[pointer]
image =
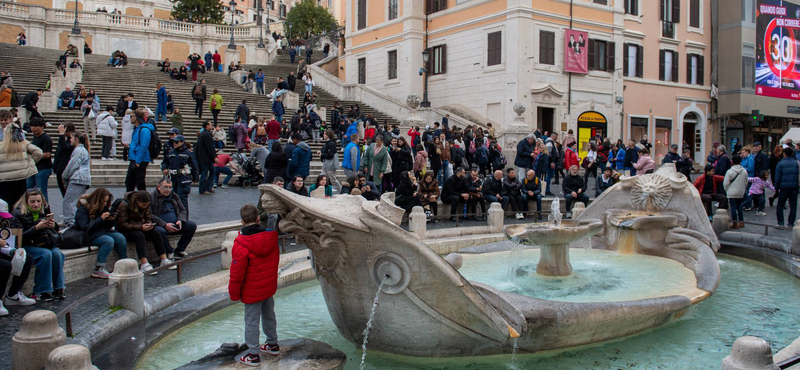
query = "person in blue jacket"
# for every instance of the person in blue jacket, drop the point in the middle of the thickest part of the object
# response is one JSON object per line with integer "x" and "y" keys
{"x": 278, "y": 110}
{"x": 139, "y": 153}
{"x": 301, "y": 158}
{"x": 352, "y": 128}
{"x": 207, "y": 59}
{"x": 786, "y": 182}
{"x": 161, "y": 107}
{"x": 260, "y": 82}
{"x": 292, "y": 54}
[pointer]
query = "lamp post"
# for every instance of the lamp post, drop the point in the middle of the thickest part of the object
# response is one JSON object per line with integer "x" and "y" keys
{"x": 426, "y": 55}
{"x": 260, "y": 26}
{"x": 75, "y": 29}
{"x": 232, "y": 45}
{"x": 268, "y": 3}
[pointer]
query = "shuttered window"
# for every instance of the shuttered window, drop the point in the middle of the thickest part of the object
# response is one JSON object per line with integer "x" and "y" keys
{"x": 670, "y": 11}
{"x": 633, "y": 60}
{"x": 438, "y": 63}
{"x": 495, "y": 48}
{"x": 632, "y": 7}
{"x": 362, "y": 14}
{"x": 392, "y": 9}
{"x": 392, "y": 64}
{"x": 601, "y": 55}
{"x": 695, "y": 69}
{"x": 694, "y": 13}
{"x": 433, "y": 6}
{"x": 362, "y": 71}
{"x": 668, "y": 65}
{"x": 547, "y": 47}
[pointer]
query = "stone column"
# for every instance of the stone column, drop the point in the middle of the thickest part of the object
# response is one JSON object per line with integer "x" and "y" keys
{"x": 749, "y": 353}
{"x": 261, "y": 56}
{"x": 70, "y": 357}
{"x": 231, "y": 55}
{"x": 129, "y": 294}
{"x": 227, "y": 257}
{"x": 77, "y": 40}
{"x": 37, "y": 336}
{"x": 554, "y": 260}
{"x": 417, "y": 223}
{"x": 721, "y": 221}
{"x": 496, "y": 217}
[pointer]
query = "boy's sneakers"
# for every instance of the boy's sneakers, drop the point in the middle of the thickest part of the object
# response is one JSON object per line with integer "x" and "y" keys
{"x": 42, "y": 297}
{"x": 167, "y": 262}
{"x": 100, "y": 273}
{"x": 249, "y": 360}
{"x": 3, "y": 310}
{"x": 147, "y": 267}
{"x": 271, "y": 349}
{"x": 18, "y": 299}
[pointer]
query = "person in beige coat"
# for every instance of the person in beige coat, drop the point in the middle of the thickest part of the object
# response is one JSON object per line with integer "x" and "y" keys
{"x": 18, "y": 159}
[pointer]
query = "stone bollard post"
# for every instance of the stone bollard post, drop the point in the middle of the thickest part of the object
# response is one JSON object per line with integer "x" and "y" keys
{"x": 129, "y": 294}
{"x": 37, "y": 336}
{"x": 577, "y": 209}
{"x": 70, "y": 357}
{"x": 749, "y": 353}
{"x": 227, "y": 257}
{"x": 496, "y": 217}
{"x": 796, "y": 238}
{"x": 455, "y": 260}
{"x": 721, "y": 221}
{"x": 78, "y": 41}
{"x": 417, "y": 223}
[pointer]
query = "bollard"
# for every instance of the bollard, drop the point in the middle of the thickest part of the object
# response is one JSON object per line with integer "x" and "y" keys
{"x": 496, "y": 217}
{"x": 721, "y": 221}
{"x": 130, "y": 292}
{"x": 70, "y": 357}
{"x": 227, "y": 257}
{"x": 455, "y": 260}
{"x": 417, "y": 223}
{"x": 577, "y": 209}
{"x": 796, "y": 238}
{"x": 749, "y": 353}
{"x": 37, "y": 336}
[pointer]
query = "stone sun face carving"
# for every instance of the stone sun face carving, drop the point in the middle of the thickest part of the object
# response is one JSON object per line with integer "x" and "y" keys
{"x": 322, "y": 238}
{"x": 651, "y": 192}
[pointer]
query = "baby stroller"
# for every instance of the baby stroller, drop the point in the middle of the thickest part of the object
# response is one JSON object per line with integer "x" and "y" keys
{"x": 252, "y": 171}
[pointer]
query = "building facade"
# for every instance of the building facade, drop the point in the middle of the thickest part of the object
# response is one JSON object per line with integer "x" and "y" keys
{"x": 487, "y": 55}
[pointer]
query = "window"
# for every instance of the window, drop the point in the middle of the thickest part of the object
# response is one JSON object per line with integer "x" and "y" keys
{"x": 748, "y": 10}
{"x": 632, "y": 7}
{"x": 362, "y": 71}
{"x": 362, "y": 14}
{"x": 392, "y": 9}
{"x": 271, "y": 5}
{"x": 330, "y": 4}
{"x": 694, "y": 69}
{"x": 495, "y": 50}
{"x": 601, "y": 2}
{"x": 547, "y": 47}
{"x": 668, "y": 65}
{"x": 438, "y": 63}
{"x": 748, "y": 72}
{"x": 319, "y": 2}
{"x": 632, "y": 60}
{"x": 694, "y": 13}
{"x": 283, "y": 10}
{"x": 392, "y": 56}
{"x": 601, "y": 55}
{"x": 670, "y": 10}
{"x": 433, "y": 6}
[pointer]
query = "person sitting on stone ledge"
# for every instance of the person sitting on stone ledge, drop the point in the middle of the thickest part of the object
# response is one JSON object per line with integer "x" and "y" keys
{"x": 39, "y": 233}
{"x": 297, "y": 186}
{"x": 95, "y": 217}
{"x": 66, "y": 99}
{"x": 493, "y": 189}
{"x": 171, "y": 218}
{"x": 135, "y": 222}
{"x": 574, "y": 188}
{"x": 706, "y": 185}
{"x": 367, "y": 189}
{"x": 455, "y": 192}
{"x": 407, "y": 194}
{"x": 14, "y": 297}
{"x": 511, "y": 189}
{"x": 532, "y": 190}
{"x": 607, "y": 180}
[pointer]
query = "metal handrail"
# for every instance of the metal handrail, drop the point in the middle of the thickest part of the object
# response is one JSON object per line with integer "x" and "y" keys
{"x": 766, "y": 226}
{"x": 185, "y": 260}
{"x": 67, "y": 311}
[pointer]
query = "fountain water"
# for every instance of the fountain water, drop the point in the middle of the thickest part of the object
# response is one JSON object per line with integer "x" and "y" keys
{"x": 555, "y": 212}
{"x": 514, "y": 258}
{"x": 369, "y": 322}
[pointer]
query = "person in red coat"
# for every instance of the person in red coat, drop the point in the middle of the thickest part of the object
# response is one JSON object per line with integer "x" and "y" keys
{"x": 254, "y": 280}
{"x": 571, "y": 157}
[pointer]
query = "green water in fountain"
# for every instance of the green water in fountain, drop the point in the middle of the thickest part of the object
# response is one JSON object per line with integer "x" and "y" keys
{"x": 753, "y": 299}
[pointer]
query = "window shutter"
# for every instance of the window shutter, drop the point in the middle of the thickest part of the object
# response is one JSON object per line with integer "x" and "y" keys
{"x": 362, "y": 14}
{"x": 429, "y": 6}
{"x": 611, "y": 56}
{"x": 661, "y": 64}
{"x": 625, "y": 59}
{"x": 661, "y": 9}
{"x": 676, "y": 11}
{"x": 494, "y": 49}
{"x": 635, "y": 7}
{"x": 688, "y": 68}
{"x": 694, "y": 13}
{"x": 639, "y": 61}
{"x": 444, "y": 59}
{"x": 675, "y": 64}
{"x": 442, "y": 4}
{"x": 591, "y": 54}
{"x": 700, "y": 70}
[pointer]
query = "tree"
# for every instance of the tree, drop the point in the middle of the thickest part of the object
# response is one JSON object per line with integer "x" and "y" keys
{"x": 308, "y": 19}
{"x": 197, "y": 11}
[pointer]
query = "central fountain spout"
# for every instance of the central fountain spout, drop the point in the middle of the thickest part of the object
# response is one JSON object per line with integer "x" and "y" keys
{"x": 553, "y": 241}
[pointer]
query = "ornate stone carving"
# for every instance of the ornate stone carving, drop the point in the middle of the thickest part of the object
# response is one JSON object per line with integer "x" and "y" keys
{"x": 321, "y": 237}
{"x": 413, "y": 101}
{"x": 519, "y": 108}
{"x": 651, "y": 192}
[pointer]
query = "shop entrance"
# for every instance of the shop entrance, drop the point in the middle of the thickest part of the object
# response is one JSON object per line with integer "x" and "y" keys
{"x": 545, "y": 117}
{"x": 690, "y": 134}
{"x": 590, "y": 124}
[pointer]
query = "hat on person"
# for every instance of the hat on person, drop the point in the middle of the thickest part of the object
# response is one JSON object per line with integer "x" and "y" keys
{"x": 174, "y": 131}
{"x": 4, "y": 210}
{"x": 757, "y": 143}
{"x": 716, "y": 143}
{"x": 179, "y": 138}
{"x": 674, "y": 146}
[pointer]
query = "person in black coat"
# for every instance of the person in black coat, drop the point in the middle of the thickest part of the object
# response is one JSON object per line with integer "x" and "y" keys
{"x": 685, "y": 164}
{"x": 532, "y": 190}
{"x": 63, "y": 154}
{"x": 402, "y": 160}
{"x": 95, "y": 217}
{"x": 30, "y": 103}
{"x": 242, "y": 111}
{"x": 455, "y": 192}
{"x": 291, "y": 80}
{"x": 672, "y": 156}
{"x": 406, "y": 195}
{"x": 512, "y": 190}
{"x": 206, "y": 156}
{"x": 574, "y": 188}
{"x": 275, "y": 165}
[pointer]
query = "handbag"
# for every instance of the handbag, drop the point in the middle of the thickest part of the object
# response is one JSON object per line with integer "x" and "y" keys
{"x": 73, "y": 238}
{"x": 585, "y": 163}
{"x": 92, "y": 114}
{"x": 48, "y": 238}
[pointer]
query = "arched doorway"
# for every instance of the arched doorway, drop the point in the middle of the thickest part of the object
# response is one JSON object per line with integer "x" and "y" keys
{"x": 690, "y": 133}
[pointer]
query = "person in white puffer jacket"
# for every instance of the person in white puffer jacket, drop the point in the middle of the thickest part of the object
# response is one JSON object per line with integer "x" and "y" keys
{"x": 735, "y": 184}
{"x": 127, "y": 132}
{"x": 107, "y": 129}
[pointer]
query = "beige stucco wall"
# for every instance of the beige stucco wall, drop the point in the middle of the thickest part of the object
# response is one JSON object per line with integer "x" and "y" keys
{"x": 162, "y": 14}
{"x": 133, "y": 11}
{"x": 176, "y": 51}
{"x": 71, "y": 5}
{"x": 63, "y": 38}
{"x": 8, "y": 33}
{"x": 44, "y": 3}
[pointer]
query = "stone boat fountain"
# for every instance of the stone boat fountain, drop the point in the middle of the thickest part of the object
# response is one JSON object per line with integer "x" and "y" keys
{"x": 427, "y": 308}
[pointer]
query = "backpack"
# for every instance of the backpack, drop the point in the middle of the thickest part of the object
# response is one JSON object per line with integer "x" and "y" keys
{"x": 15, "y": 100}
{"x": 155, "y": 145}
{"x": 472, "y": 146}
{"x": 198, "y": 90}
{"x": 262, "y": 131}
{"x": 502, "y": 159}
{"x": 483, "y": 156}
{"x": 115, "y": 205}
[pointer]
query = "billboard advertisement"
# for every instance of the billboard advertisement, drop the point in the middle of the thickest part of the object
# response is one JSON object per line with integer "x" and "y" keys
{"x": 576, "y": 57}
{"x": 777, "y": 33}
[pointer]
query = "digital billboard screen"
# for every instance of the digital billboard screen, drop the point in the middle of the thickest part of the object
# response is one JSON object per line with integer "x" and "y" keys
{"x": 777, "y": 63}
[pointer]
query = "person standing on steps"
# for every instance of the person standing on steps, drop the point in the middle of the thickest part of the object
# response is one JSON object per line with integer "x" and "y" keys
{"x": 208, "y": 60}
{"x": 273, "y": 130}
{"x": 259, "y": 82}
{"x": 277, "y": 109}
{"x": 309, "y": 83}
{"x": 292, "y": 55}
{"x": 45, "y": 166}
{"x": 215, "y": 106}
{"x": 199, "y": 96}
{"x": 139, "y": 153}
{"x": 242, "y": 111}
{"x": 309, "y": 52}
{"x": 217, "y": 60}
{"x": 63, "y": 153}
{"x": 194, "y": 65}
{"x": 90, "y": 109}
{"x": 161, "y": 104}
{"x": 77, "y": 175}
{"x": 330, "y": 159}
{"x": 206, "y": 157}
{"x": 291, "y": 80}
{"x": 107, "y": 128}
{"x": 30, "y": 102}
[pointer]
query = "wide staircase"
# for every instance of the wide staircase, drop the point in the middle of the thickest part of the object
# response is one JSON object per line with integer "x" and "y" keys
{"x": 30, "y": 68}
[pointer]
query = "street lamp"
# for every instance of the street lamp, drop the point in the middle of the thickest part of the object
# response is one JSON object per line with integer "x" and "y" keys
{"x": 260, "y": 26}
{"x": 268, "y": 3}
{"x": 426, "y": 55}
{"x": 75, "y": 29}
{"x": 232, "y": 45}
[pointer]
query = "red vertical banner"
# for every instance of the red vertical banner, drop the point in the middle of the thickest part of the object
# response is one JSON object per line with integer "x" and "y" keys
{"x": 576, "y": 56}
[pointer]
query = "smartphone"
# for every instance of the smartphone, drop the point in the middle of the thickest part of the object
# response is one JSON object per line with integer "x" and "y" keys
{"x": 50, "y": 217}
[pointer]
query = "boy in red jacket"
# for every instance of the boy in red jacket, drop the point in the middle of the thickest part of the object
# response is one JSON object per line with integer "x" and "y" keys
{"x": 254, "y": 280}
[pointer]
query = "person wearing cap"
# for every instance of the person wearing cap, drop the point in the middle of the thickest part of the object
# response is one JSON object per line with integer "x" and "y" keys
{"x": 672, "y": 156}
{"x": 525, "y": 154}
{"x": 168, "y": 145}
{"x": 180, "y": 165}
{"x": 14, "y": 297}
{"x": 107, "y": 129}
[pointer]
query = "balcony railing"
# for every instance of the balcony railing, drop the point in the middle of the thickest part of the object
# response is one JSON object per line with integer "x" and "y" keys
{"x": 668, "y": 29}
